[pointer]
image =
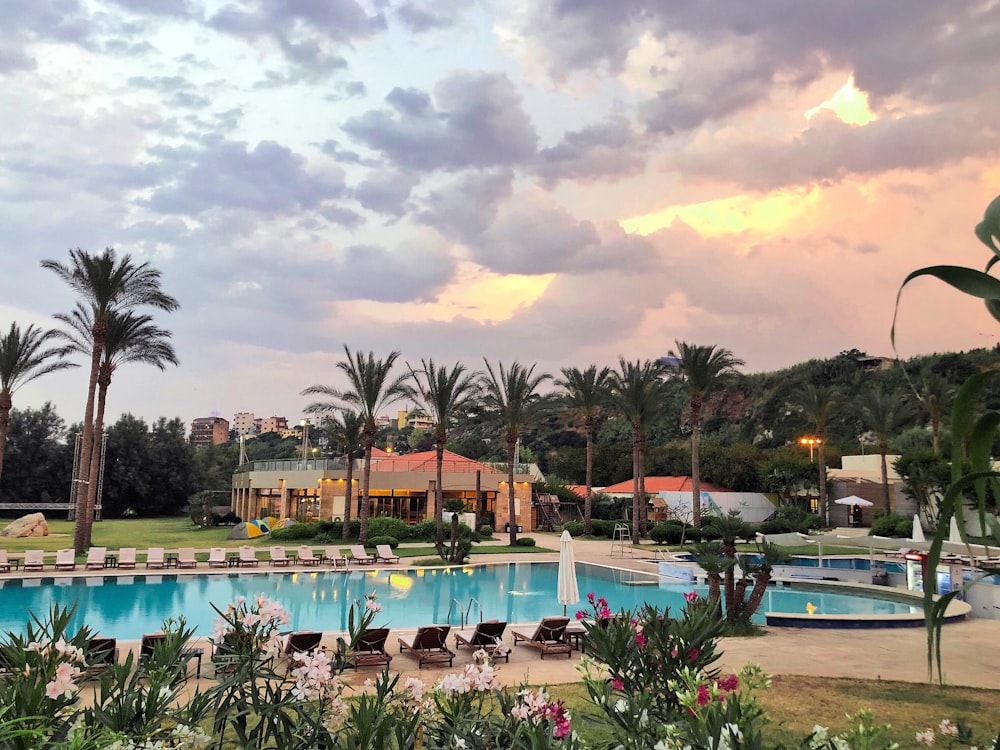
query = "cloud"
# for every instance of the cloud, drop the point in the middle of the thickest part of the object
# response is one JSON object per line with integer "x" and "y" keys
{"x": 410, "y": 273}
{"x": 464, "y": 208}
{"x": 429, "y": 15}
{"x": 476, "y": 120}
{"x": 609, "y": 149}
{"x": 385, "y": 191}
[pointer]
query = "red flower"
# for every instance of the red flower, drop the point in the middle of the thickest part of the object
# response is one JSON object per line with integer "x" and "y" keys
{"x": 703, "y": 696}
{"x": 690, "y": 596}
{"x": 618, "y": 684}
{"x": 640, "y": 640}
{"x": 580, "y": 614}
{"x": 590, "y": 597}
{"x": 693, "y": 654}
{"x": 729, "y": 682}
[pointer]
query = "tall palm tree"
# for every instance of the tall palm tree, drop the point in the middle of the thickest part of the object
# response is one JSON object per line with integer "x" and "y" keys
{"x": 637, "y": 390}
{"x": 885, "y": 414}
{"x": 816, "y": 404}
{"x": 935, "y": 397}
{"x": 703, "y": 369}
{"x": 587, "y": 391}
{"x": 512, "y": 394}
{"x": 370, "y": 390}
{"x": 444, "y": 393}
{"x": 24, "y": 356}
{"x": 347, "y": 427}
{"x": 106, "y": 283}
{"x": 131, "y": 338}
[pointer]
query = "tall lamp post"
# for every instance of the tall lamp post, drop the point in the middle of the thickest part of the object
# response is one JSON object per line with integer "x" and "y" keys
{"x": 812, "y": 442}
{"x": 305, "y": 442}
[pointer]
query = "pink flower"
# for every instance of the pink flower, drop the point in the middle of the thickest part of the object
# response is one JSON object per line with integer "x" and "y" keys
{"x": 704, "y": 697}
{"x": 590, "y": 597}
{"x": 673, "y": 653}
{"x": 692, "y": 654}
{"x": 618, "y": 684}
{"x": 580, "y": 614}
{"x": 602, "y": 603}
{"x": 729, "y": 682}
{"x": 604, "y": 613}
{"x": 691, "y": 596}
{"x": 640, "y": 640}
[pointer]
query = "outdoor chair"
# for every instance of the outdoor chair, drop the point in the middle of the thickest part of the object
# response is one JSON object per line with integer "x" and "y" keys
{"x": 278, "y": 557}
{"x": 34, "y": 559}
{"x": 186, "y": 558}
{"x": 126, "y": 557}
{"x": 101, "y": 654}
{"x": 217, "y": 557}
{"x": 306, "y": 557}
{"x": 66, "y": 559}
{"x": 334, "y": 557}
{"x": 428, "y": 645}
{"x": 549, "y": 637}
{"x": 4, "y": 562}
{"x": 301, "y": 642}
{"x": 154, "y": 558}
{"x": 384, "y": 552}
{"x": 152, "y": 641}
{"x": 369, "y": 649}
{"x": 359, "y": 556}
{"x": 248, "y": 558}
{"x": 487, "y": 635}
{"x": 95, "y": 557}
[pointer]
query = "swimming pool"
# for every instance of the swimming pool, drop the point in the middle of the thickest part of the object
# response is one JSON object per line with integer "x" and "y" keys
{"x": 836, "y": 563}
{"x": 128, "y": 606}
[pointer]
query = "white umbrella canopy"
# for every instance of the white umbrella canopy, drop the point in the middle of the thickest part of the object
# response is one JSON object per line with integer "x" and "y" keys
{"x": 569, "y": 591}
{"x": 954, "y": 535}
{"x": 854, "y": 500}
{"x": 917, "y": 534}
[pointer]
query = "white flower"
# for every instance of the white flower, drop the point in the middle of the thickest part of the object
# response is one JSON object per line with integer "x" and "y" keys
{"x": 621, "y": 706}
{"x": 819, "y": 733}
{"x": 926, "y": 737}
{"x": 947, "y": 728}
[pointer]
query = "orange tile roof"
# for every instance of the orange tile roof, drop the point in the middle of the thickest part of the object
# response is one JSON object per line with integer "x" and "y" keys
{"x": 580, "y": 490}
{"x": 662, "y": 484}
{"x": 426, "y": 461}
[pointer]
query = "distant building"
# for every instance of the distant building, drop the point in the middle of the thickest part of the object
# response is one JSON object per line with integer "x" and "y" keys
{"x": 244, "y": 423}
{"x": 272, "y": 424}
{"x": 415, "y": 419}
{"x": 875, "y": 364}
{"x": 207, "y": 431}
{"x": 382, "y": 421}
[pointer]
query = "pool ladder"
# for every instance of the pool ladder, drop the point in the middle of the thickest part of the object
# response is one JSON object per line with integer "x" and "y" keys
{"x": 465, "y": 617}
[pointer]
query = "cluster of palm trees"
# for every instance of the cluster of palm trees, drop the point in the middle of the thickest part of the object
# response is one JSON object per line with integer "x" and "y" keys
{"x": 105, "y": 326}
{"x": 510, "y": 396}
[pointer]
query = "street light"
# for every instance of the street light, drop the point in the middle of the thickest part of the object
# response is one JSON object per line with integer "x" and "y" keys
{"x": 811, "y": 442}
{"x": 305, "y": 441}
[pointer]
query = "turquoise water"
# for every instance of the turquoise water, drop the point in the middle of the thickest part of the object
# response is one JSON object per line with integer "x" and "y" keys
{"x": 839, "y": 563}
{"x": 126, "y": 607}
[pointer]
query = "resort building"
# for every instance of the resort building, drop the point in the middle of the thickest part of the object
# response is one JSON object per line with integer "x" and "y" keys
{"x": 271, "y": 424}
{"x": 207, "y": 431}
{"x": 243, "y": 423}
{"x": 401, "y": 487}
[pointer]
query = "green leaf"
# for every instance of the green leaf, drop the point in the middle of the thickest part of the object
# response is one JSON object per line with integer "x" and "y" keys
{"x": 968, "y": 280}
{"x": 988, "y": 230}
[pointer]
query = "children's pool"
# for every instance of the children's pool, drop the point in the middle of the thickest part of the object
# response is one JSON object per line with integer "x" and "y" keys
{"x": 126, "y": 607}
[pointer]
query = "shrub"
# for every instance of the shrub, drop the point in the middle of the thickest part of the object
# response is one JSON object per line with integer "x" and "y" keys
{"x": 666, "y": 534}
{"x": 425, "y": 531}
{"x": 331, "y": 532}
{"x": 693, "y": 535}
{"x": 525, "y": 541}
{"x": 709, "y": 533}
{"x": 772, "y": 527}
{"x": 294, "y": 532}
{"x": 486, "y": 531}
{"x": 892, "y": 524}
{"x": 575, "y": 528}
{"x": 603, "y": 528}
{"x": 385, "y": 539}
{"x": 395, "y": 527}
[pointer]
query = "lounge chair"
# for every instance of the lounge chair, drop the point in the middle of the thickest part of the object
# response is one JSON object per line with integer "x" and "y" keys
{"x": 66, "y": 559}
{"x": 149, "y": 644}
{"x": 95, "y": 557}
{"x": 186, "y": 558}
{"x": 334, "y": 557}
{"x": 487, "y": 635}
{"x": 101, "y": 654}
{"x": 428, "y": 645}
{"x": 126, "y": 557}
{"x": 217, "y": 557}
{"x": 305, "y": 556}
{"x": 301, "y": 642}
{"x": 384, "y": 552}
{"x": 549, "y": 637}
{"x": 248, "y": 558}
{"x": 278, "y": 556}
{"x": 369, "y": 649}
{"x": 34, "y": 559}
{"x": 4, "y": 562}
{"x": 359, "y": 556}
{"x": 154, "y": 558}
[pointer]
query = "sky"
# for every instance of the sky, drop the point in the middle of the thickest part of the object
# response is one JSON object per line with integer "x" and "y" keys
{"x": 559, "y": 182}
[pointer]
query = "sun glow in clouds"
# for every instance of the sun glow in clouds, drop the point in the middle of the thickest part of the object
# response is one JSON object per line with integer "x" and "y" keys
{"x": 849, "y": 104}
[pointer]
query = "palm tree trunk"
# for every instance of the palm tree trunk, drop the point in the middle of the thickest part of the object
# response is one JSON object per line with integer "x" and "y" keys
{"x": 729, "y": 552}
{"x": 735, "y": 614}
{"x": 883, "y": 449}
{"x": 757, "y": 595}
{"x": 714, "y": 593}
{"x": 366, "y": 482}
{"x": 103, "y": 383}
{"x": 635, "y": 484}
{"x": 511, "y": 508}
{"x": 824, "y": 501}
{"x": 695, "y": 463}
{"x": 83, "y": 529}
{"x": 588, "y": 502}
{"x": 439, "y": 493}
{"x": 936, "y": 434}
{"x": 5, "y": 406}
{"x": 348, "y": 497}
{"x": 643, "y": 510}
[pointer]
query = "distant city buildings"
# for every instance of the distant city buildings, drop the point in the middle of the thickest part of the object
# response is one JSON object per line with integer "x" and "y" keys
{"x": 244, "y": 423}
{"x": 271, "y": 424}
{"x": 415, "y": 419}
{"x": 207, "y": 431}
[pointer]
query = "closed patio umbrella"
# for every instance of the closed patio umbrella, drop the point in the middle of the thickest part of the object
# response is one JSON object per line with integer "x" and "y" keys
{"x": 569, "y": 592}
{"x": 917, "y": 534}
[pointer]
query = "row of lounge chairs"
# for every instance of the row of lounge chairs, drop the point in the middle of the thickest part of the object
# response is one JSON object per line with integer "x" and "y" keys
{"x": 157, "y": 557}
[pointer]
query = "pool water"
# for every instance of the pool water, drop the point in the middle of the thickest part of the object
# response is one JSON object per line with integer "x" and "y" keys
{"x": 126, "y": 607}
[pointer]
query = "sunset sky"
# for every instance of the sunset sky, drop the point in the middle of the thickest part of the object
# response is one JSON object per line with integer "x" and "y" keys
{"x": 547, "y": 181}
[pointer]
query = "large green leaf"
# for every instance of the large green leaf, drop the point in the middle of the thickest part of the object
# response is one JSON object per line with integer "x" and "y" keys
{"x": 988, "y": 230}
{"x": 968, "y": 280}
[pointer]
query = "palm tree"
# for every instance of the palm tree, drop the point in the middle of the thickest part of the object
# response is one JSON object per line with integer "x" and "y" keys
{"x": 130, "y": 338}
{"x": 703, "y": 369}
{"x": 637, "y": 389}
{"x": 884, "y": 414}
{"x": 347, "y": 427}
{"x": 709, "y": 557}
{"x": 106, "y": 284}
{"x": 444, "y": 393}
{"x": 935, "y": 397}
{"x": 370, "y": 390}
{"x": 816, "y": 404}
{"x": 511, "y": 394}
{"x": 771, "y": 555}
{"x": 587, "y": 392}
{"x": 24, "y": 356}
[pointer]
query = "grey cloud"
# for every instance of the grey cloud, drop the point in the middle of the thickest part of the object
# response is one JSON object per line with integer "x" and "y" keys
{"x": 609, "y": 149}
{"x": 409, "y": 102}
{"x": 26, "y": 22}
{"x": 404, "y": 275}
{"x": 343, "y": 216}
{"x": 333, "y": 149}
{"x": 346, "y": 90}
{"x": 464, "y": 209}
{"x": 386, "y": 191}
{"x": 478, "y": 121}
{"x": 269, "y": 178}
{"x": 423, "y": 16}
{"x": 867, "y": 248}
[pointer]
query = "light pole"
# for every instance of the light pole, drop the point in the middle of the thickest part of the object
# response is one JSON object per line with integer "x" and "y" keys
{"x": 812, "y": 442}
{"x": 305, "y": 442}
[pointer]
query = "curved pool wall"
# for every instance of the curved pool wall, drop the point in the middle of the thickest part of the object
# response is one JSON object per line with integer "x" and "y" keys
{"x": 126, "y": 607}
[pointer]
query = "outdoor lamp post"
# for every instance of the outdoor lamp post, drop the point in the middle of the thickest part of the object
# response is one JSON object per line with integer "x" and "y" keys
{"x": 811, "y": 442}
{"x": 305, "y": 442}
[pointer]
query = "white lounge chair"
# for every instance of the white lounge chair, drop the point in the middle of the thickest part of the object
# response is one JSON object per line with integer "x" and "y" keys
{"x": 278, "y": 557}
{"x": 66, "y": 559}
{"x": 248, "y": 558}
{"x": 34, "y": 559}
{"x": 126, "y": 557}
{"x": 186, "y": 558}
{"x": 305, "y": 556}
{"x": 95, "y": 557}
{"x": 385, "y": 555}
{"x": 155, "y": 558}
{"x": 360, "y": 556}
{"x": 4, "y": 562}
{"x": 217, "y": 557}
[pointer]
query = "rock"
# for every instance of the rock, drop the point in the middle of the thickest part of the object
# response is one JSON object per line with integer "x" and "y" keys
{"x": 33, "y": 524}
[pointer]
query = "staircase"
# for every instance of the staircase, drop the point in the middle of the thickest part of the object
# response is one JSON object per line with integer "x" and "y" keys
{"x": 548, "y": 512}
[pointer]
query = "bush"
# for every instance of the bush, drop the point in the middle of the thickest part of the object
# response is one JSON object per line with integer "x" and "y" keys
{"x": 666, "y": 534}
{"x": 395, "y": 527}
{"x": 425, "y": 531}
{"x": 294, "y": 532}
{"x": 693, "y": 535}
{"x": 709, "y": 534}
{"x": 892, "y": 524}
{"x": 772, "y": 527}
{"x": 603, "y": 528}
{"x": 524, "y": 541}
{"x": 376, "y": 540}
{"x": 486, "y": 531}
{"x": 331, "y": 532}
{"x": 575, "y": 528}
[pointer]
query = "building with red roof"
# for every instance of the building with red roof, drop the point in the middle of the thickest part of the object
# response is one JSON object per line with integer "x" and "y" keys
{"x": 654, "y": 485}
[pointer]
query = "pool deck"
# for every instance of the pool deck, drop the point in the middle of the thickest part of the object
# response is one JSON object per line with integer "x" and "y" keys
{"x": 970, "y": 655}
